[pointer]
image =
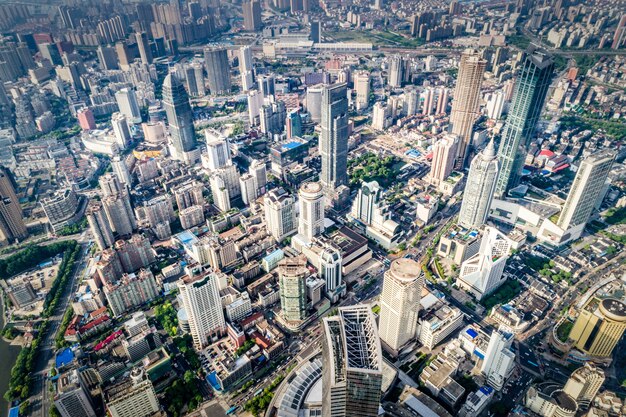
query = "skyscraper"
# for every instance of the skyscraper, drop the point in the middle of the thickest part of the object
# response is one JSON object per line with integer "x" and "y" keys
{"x": 249, "y": 189}
{"x": 218, "y": 70}
{"x": 499, "y": 359}
{"x": 12, "y": 225}
{"x": 620, "y": 33}
{"x": 200, "y": 294}
{"x": 145, "y": 53}
{"x": 362, "y": 87}
{"x": 400, "y": 301}
{"x": 352, "y": 364}
{"x": 531, "y": 88}
{"x": 127, "y": 103}
{"x": 99, "y": 225}
{"x": 586, "y": 188}
{"x": 117, "y": 207}
{"x": 479, "y": 189}
{"x": 330, "y": 271}
{"x": 482, "y": 273}
{"x": 121, "y": 130}
{"x": 334, "y": 137}
{"x": 252, "y": 16}
{"x": 280, "y": 213}
{"x": 246, "y": 67}
{"x": 396, "y": 68}
{"x": 311, "y": 202}
{"x": 466, "y": 103}
{"x": 179, "y": 117}
{"x": 217, "y": 151}
{"x": 292, "y": 275}
{"x": 316, "y": 32}
{"x": 444, "y": 155}
{"x": 294, "y": 124}
{"x": 194, "y": 75}
{"x": 599, "y": 326}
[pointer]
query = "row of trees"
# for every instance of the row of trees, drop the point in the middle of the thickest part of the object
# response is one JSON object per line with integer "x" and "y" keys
{"x": 19, "y": 383}
{"x": 260, "y": 403}
{"x": 63, "y": 277}
{"x": 31, "y": 256}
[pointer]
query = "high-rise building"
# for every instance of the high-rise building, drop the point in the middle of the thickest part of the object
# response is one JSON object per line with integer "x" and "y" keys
{"x": 444, "y": 156}
{"x": 259, "y": 171}
{"x": 127, "y": 103}
{"x": 619, "y": 38}
{"x": 133, "y": 396}
{"x": 121, "y": 131}
{"x": 249, "y": 189}
{"x": 252, "y": 16}
{"x": 333, "y": 143}
{"x": 189, "y": 194}
{"x": 219, "y": 191}
{"x": 586, "y": 188}
{"x": 119, "y": 213}
{"x": 352, "y": 363}
{"x": 499, "y": 359}
{"x": 179, "y": 118}
{"x": 330, "y": 271}
{"x": 86, "y": 119}
{"x": 12, "y": 225}
{"x": 531, "y": 88}
{"x": 293, "y": 124}
{"x": 107, "y": 58}
{"x": 400, "y": 301}
{"x": 217, "y": 151}
{"x": 99, "y": 225}
{"x": 110, "y": 184}
{"x": 599, "y": 326}
{"x": 246, "y": 68}
{"x": 72, "y": 399}
{"x": 396, "y": 68}
{"x": 466, "y": 103}
{"x": 292, "y": 275}
{"x": 145, "y": 53}
{"x": 314, "y": 102}
{"x": 201, "y": 299}
{"x": 311, "y": 203}
{"x": 362, "y": 87}
{"x": 130, "y": 291}
{"x": 368, "y": 197}
{"x": 280, "y": 213}
{"x": 480, "y": 188}
{"x": 483, "y": 273}
{"x": 218, "y": 70}
{"x": 267, "y": 85}
{"x": 120, "y": 169}
{"x": 194, "y": 75}
{"x": 584, "y": 383}
{"x": 316, "y": 32}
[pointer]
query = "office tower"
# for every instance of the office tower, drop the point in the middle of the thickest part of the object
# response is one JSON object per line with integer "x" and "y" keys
{"x": 107, "y": 58}
{"x": 531, "y": 88}
{"x": 396, "y": 68}
{"x": 294, "y": 124}
{"x": 333, "y": 144}
{"x": 280, "y": 214}
{"x": 620, "y": 33}
{"x": 352, "y": 363}
{"x": 127, "y": 103}
{"x": 330, "y": 271}
{"x": 246, "y": 68}
{"x": 466, "y": 103}
{"x": 400, "y": 301}
{"x": 259, "y": 171}
{"x": 499, "y": 359}
{"x": 362, "y": 87}
{"x": 495, "y": 105}
{"x": 314, "y": 102}
{"x": 584, "y": 383}
{"x": 218, "y": 151}
{"x": 255, "y": 102}
{"x": 119, "y": 122}
{"x": 267, "y": 85}
{"x": 133, "y": 396}
{"x": 219, "y": 191}
{"x": 145, "y": 53}
{"x": 444, "y": 155}
{"x": 482, "y": 273}
{"x": 599, "y": 326}
{"x": 366, "y": 201}
{"x": 72, "y": 399}
{"x": 249, "y": 189}
{"x": 194, "y": 75}
{"x": 218, "y": 70}
{"x": 292, "y": 275}
{"x": 480, "y": 188}
{"x": 99, "y": 225}
{"x": 316, "y": 32}
{"x": 587, "y": 186}
{"x": 189, "y": 194}
{"x": 202, "y": 303}
{"x": 12, "y": 225}
{"x": 123, "y": 55}
{"x": 311, "y": 203}
{"x": 252, "y": 16}
{"x": 179, "y": 117}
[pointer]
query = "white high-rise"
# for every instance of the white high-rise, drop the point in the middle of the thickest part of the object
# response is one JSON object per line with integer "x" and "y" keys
{"x": 119, "y": 121}
{"x": 444, "y": 155}
{"x": 499, "y": 359}
{"x": 221, "y": 196}
{"x": 362, "y": 87}
{"x": 482, "y": 273}
{"x": 586, "y": 188}
{"x": 248, "y": 188}
{"x": 400, "y": 301}
{"x": 259, "y": 172}
{"x": 246, "y": 68}
{"x": 280, "y": 214}
{"x": 330, "y": 271}
{"x": 480, "y": 188}
{"x": 201, "y": 299}
{"x": 495, "y": 105}
{"x": 584, "y": 383}
{"x": 311, "y": 203}
{"x": 217, "y": 151}
{"x": 127, "y": 103}
{"x": 118, "y": 163}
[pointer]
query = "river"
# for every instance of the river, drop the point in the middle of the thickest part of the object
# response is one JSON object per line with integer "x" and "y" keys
{"x": 8, "y": 355}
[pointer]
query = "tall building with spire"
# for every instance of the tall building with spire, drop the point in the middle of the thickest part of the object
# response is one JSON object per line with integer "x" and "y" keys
{"x": 179, "y": 116}
{"x": 466, "y": 103}
{"x": 479, "y": 189}
{"x": 530, "y": 92}
{"x": 334, "y": 138}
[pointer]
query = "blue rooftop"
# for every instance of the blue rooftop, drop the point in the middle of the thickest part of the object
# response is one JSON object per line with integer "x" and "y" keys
{"x": 291, "y": 145}
{"x": 472, "y": 333}
{"x": 486, "y": 390}
{"x": 212, "y": 380}
{"x": 64, "y": 357}
{"x": 14, "y": 412}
